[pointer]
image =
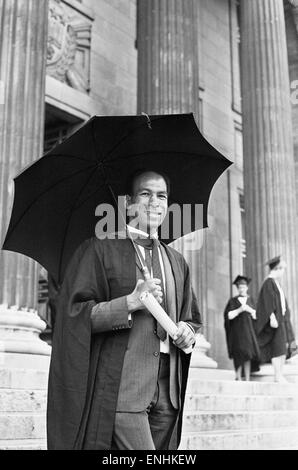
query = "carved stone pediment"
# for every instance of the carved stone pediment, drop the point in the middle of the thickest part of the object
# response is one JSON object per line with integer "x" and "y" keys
{"x": 68, "y": 51}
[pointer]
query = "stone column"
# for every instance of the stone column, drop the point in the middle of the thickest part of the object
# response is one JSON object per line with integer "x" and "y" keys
{"x": 168, "y": 83}
{"x": 167, "y": 56}
{"x": 269, "y": 185}
{"x": 23, "y": 39}
{"x": 291, "y": 19}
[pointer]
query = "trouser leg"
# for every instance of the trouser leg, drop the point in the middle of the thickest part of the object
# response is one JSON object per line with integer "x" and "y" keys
{"x": 132, "y": 432}
{"x": 163, "y": 415}
{"x": 152, "y": 428}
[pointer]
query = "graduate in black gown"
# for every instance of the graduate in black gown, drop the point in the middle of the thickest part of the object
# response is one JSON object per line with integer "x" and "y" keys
{"x": 239, "y": 318}
{"x": 274, "y": 330}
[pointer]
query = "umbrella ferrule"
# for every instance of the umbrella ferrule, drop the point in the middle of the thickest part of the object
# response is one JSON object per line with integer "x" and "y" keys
{"x": 148, "y": 120}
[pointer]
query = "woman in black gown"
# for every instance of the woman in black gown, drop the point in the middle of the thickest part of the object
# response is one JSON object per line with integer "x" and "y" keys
{"x": 239, "y": 318}
{"x": 275, "y": 332}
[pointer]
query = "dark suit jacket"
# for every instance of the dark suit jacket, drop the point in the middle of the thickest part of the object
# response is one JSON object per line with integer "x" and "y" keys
{"x": 86, "y": 368}
{"x": 141, "y": 362}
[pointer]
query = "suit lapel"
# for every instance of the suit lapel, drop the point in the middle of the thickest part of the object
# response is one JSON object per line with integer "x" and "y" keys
{"x": 130, "y": 248}
{"x": 178, "y": 277}
{"x": 137, "y": 258}
{"x": 130, "y": 259}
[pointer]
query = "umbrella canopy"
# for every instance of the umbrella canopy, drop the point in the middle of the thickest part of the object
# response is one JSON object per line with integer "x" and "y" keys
{"x": 56, "y": 197}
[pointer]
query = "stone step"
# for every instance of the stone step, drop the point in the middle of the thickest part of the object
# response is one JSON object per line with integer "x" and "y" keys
{"x": 265, "y": 439}
{"x": 22, "y": 425}
{"x": 197, "y": 421}
{"x": 12, "y": 400}
{"x": 289, "y": 448}
{"x": 32, "y": 379}
{"x": 227, "y": 387}
{"x": 23, "y": 444}
{"x": 240, "y": 402}
{"x": 290, "y": 371}
{"x": 211, "y": 374}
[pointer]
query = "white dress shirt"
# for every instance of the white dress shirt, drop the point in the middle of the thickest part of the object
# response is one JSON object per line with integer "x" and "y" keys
{"x": 164, "y": 345}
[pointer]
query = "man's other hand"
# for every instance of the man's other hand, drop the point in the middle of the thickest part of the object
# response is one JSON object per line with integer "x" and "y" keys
{"x": 184, "y": 337}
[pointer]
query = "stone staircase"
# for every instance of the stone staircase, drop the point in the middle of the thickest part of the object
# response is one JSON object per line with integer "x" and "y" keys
{"x": 22, "y": 409}
{"x": 230, "y": 415}
{"x": 219, "y": 412}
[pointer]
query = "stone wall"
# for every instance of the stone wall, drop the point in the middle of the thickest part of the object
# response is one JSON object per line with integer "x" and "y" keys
{"x": 113, "y": 78}
{"x": 221, "y": 125}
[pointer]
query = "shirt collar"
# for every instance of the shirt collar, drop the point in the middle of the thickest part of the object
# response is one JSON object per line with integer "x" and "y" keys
{"x": 141, "y": 232}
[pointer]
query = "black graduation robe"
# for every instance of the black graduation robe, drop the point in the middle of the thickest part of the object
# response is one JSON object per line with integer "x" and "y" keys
{"x": 240, "y": 335}
{"x": 84, "y": 365}
{"x": 279, "y": 341}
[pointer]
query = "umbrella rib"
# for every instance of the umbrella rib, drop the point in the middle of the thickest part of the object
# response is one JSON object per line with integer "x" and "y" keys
{"x": 69, "y": 218}
{"x": 132, "y": 132}
{"x": 42, "y": 194}
{"x": 116, "y": 159}
{"x": 97, "y": 189}
{"x": 90, "y": 195}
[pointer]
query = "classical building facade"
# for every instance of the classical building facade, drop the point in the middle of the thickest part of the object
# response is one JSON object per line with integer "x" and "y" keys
{"x": 62, "y": 61}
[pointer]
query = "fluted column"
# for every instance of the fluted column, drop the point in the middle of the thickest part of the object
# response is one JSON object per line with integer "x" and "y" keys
{"x": 167, "y": 56}
{"x": 23, "y": 39}
{"x": 168, "y": 82}
{"x": 269, "y": 186}
{"x": 168, "y": 68}
{"x": 291, "y": 19}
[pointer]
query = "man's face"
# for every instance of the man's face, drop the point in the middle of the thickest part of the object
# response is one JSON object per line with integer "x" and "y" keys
{"x": 149, "y": 203}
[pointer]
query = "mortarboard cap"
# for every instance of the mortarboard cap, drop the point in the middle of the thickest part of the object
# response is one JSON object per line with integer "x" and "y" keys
{"x": 274, "y": 262}
{"x": 242, "y": 280}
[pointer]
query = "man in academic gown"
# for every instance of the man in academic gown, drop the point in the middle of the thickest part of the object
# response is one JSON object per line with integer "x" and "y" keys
{"x": 116, "y": 379}
{"x": 274, "y": 330}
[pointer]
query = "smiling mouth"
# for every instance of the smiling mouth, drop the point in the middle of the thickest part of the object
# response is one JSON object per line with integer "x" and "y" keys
{"x": 153, "y": 213}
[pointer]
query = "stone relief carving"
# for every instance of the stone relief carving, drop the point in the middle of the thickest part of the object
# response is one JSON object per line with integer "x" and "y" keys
{"x": 68, "y": 50}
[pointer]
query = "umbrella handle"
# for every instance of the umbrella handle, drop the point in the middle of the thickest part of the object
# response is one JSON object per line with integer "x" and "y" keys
{"x": 146, "y": 273}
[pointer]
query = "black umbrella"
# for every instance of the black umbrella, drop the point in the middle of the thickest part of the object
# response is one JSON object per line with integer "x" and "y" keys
{"x": 56, "y": 197}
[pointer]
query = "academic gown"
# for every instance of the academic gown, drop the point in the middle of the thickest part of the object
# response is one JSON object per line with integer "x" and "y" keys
{"x": 85, "y": 368}
{"x": 240, "y": 335}
{"x": 279, "y": 341}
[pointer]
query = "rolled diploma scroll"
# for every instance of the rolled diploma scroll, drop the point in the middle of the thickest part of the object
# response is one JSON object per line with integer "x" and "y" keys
{"x": 161, "y": 316}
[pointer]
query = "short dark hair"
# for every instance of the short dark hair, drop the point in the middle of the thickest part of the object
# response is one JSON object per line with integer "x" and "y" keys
{"x": 133, "y": 176}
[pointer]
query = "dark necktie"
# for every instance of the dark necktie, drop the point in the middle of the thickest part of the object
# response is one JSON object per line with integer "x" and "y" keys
{"x": 154, "y": 263}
